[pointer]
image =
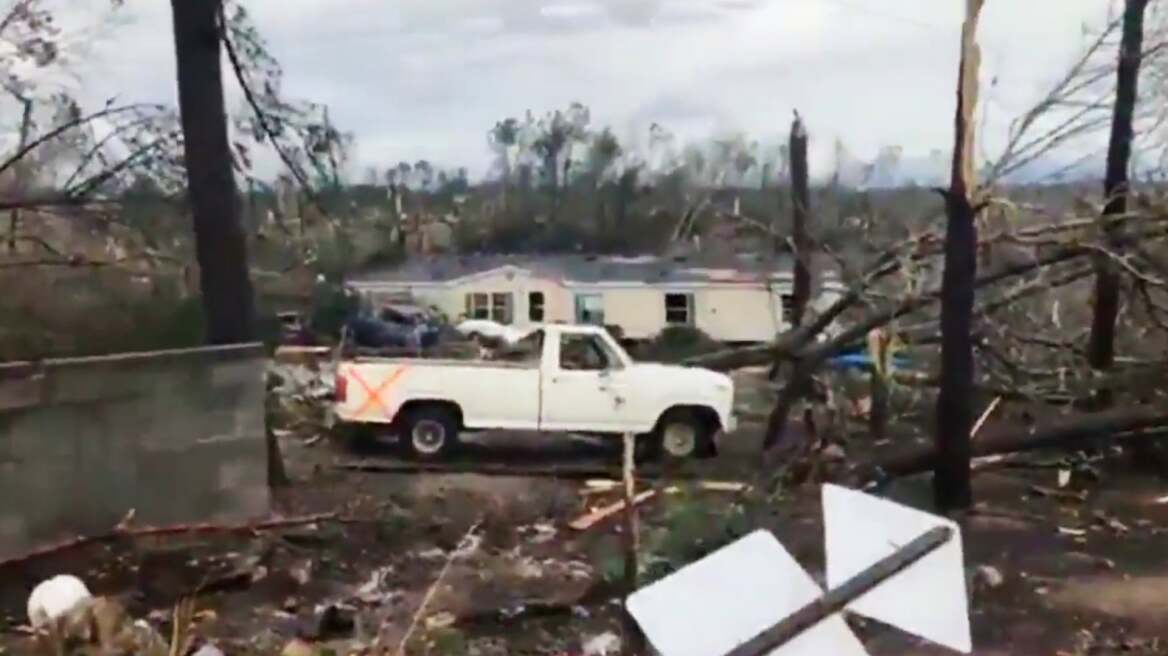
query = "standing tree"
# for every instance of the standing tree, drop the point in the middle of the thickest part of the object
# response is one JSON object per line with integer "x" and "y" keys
{"x": 801, "y": 294}
{"x": 951, "y": 475}
{"x": 1101, "y": 349}
{"x": 502, "y": 138}
{"x": 220, "y": 244}
{"x": 425, "y": 173}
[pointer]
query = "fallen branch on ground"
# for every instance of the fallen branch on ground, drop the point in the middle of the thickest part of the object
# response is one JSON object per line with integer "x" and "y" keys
{"x": 1075, "y": 429}
{"x": 608, "y": 485}
{"x": 503, "y": 469}
{"x": 985, "y": 415}
{"x": 122, "y": 533}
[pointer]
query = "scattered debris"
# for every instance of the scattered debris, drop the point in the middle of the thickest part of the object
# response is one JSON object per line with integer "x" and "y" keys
{"x": 372, "y": 591}
{"x": 605, "y": 644}
{"x": 332, "y": 621}
{"x": 54, "y": 598}
{"x": 298, "y": 647}
{"x": 989, "y": 576}
{"x": 1065, "y": 495}
{"x": 208, "y": 649}
{"x": 985, "y": 415}
{"x": 440, "y": 621}
{"x": 466, "y": 545}
{"x": 538, "y": 533}
{"x": 589, "y": 520}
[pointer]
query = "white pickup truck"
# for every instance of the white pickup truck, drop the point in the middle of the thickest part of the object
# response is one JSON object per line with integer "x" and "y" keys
{"x": 559, "y": 378}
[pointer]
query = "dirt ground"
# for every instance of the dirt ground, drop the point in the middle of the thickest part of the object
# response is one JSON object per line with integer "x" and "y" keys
{"x": 1080, "y": 565}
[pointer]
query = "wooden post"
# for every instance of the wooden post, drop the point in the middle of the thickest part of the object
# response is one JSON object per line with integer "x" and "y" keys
{"x": 838, "y": 598}
{"x": 633, "y": 642}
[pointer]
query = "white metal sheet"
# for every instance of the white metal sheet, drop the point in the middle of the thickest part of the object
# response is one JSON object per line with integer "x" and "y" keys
{"x": 721, "y": 601}
{"x": 928, "y": 599}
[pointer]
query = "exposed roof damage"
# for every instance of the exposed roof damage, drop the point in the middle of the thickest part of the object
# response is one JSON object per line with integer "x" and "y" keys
{"x": 647, "y": 269}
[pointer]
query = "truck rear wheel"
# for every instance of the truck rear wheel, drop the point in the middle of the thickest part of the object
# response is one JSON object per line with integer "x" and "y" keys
{"x": 430, "y": 432}
{"x": 681, "y": 434}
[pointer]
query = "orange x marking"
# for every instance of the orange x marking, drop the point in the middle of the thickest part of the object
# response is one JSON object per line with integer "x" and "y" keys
{"x": 374, "y": 395}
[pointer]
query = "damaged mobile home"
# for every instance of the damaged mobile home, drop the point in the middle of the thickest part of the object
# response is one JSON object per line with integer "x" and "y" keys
{"x": 737, "y": 299}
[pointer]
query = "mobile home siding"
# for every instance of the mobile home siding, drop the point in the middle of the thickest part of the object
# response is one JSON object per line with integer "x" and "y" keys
{"x": 732, "y": 314}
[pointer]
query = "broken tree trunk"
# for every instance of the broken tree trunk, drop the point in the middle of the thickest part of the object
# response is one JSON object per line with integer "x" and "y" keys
{"x": 801, "y": 194}
{"x": 1075, "y": 429}
{"x": 951, "y": 475}
{"x": 878, "y": 410}
{"x": 220, "y": 244}
{"x": 880, "y": 350}
{"x": 1101, "y": 348}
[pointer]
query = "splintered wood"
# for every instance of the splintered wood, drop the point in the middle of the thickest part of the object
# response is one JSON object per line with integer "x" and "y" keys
{"x": 586, "y": 522}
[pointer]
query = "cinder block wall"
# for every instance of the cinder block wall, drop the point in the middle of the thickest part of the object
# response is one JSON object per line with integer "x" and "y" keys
{"x": 177, "y": 436}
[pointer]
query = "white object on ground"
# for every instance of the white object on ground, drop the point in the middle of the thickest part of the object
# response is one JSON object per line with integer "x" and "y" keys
{"x": 732, "y": 595}
{"x": 929, "y": 598}
{"x": 492, "y": 329}
{"x": 54, "y": 598}
{"x": 605, "y": 644}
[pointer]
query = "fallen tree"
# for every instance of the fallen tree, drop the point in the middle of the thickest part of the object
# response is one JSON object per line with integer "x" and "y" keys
{"x": 799, "y": 343}
{"x": 1128, "y": 423}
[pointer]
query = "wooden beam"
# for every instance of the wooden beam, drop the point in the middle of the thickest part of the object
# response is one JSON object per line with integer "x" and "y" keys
{"x": 838, "y": 599}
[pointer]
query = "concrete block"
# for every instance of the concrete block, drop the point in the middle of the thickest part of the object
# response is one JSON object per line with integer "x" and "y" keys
{"x": 22, "y": 392}
{"x": 243, "y": 472}
{"x": 246, "y": 372}
{"x": 13, "y": 529}
{"x": 177, "y": 436}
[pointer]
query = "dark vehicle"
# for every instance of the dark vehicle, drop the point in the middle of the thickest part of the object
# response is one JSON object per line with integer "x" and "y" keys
{"x": 293, "y": 331}
{"x": 399, "y": 325}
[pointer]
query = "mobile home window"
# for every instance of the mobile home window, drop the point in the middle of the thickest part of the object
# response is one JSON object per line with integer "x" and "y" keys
{"x": 478, "y": 306}
{"x": 679, "y": 309}
{"x": 535, "y": 306}
{"x": 590, "y": 309}
{"x": 501, "y": 308}
{"x": 788, "y": 301}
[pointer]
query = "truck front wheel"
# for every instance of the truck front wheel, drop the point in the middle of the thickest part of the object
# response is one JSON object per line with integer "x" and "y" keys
{"x": 430, "y": 432}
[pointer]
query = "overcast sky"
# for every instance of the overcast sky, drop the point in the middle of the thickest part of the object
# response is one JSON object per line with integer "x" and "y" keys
{"x": 427, "y": 78}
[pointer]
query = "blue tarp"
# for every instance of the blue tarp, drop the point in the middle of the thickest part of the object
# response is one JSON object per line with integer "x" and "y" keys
{"x": 861, "y": 360}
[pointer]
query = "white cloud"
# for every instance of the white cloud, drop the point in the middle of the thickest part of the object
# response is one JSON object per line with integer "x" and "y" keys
{"x": 426, "y": 78}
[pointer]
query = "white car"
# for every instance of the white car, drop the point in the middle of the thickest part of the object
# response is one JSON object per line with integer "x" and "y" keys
{"x": 491, "y": 330}
{"x": 572, "y": 379}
